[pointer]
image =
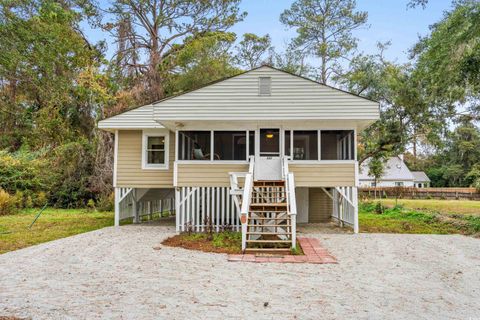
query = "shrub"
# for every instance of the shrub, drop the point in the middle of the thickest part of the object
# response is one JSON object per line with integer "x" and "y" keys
{"x": 379, "y": 208}
{"x": 106, "y": 202}
{"x": 40, "y": 199}
{"x": 91, "y": 204}
{"x": 8, "y": 203}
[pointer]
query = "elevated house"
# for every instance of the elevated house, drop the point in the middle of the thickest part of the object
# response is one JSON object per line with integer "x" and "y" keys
{"x": 258, "y": 152}
{"x": 396, "y": 174}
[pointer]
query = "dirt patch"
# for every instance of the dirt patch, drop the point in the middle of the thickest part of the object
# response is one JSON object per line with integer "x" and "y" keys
{"x": 227, "y": 242}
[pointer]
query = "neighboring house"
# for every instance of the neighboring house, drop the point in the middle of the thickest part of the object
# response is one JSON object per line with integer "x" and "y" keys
{"x": 421, "y": 180}
{"x": 396, "y": 174}
{"x": 259, "y": 152}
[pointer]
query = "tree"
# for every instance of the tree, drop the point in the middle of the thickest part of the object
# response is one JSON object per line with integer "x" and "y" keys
{"x": 49, "y": 83}
{"x": 252, "y": 50}
{"x": 376, "y": 169}
{"x": 448, "y": 60}
{"x": 324, "y": 30}
{"x": 151, "y": 33}
{"x": 293, "y": 61}
{"x": 406, "y": 115}
{"x": 202, "y": 61}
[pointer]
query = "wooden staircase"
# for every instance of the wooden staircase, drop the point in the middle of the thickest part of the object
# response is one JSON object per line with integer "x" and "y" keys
{"x": 269, "y": 227}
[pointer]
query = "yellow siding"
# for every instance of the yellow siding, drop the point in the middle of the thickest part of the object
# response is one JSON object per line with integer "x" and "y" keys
{"x": 129, "y": 163}
{"x": 323, "y": 175}
{"x": 320, "y": 206}
{"x": 207, "y": 175}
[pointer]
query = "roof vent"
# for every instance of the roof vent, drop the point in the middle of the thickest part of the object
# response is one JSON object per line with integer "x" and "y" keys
{"x": 264, "y": 86}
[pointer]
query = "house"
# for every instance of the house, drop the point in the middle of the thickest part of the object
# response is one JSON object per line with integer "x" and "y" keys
{"x": 421, "y": 180}
{"x": 396, "y": 174}
{"x": 257, "y": 152}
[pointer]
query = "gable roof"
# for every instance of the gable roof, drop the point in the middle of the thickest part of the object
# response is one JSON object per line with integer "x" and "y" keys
{"x": 420, "y": 176}
{"x": 292, "y": 98}
{"x": 138, "y": 118}
{"x": 395, "y": 169}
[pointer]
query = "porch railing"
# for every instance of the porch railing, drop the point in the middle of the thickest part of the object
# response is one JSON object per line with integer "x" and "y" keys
{"x": 291, "y": 198}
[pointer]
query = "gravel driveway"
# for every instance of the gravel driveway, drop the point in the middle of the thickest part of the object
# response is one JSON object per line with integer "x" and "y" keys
{"x": 115, "y": 273}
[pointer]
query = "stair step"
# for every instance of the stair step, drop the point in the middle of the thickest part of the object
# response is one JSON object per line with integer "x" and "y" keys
{"x": 269, "y": 241}
{"x": 268, "y": 225}
{"x": 263, "y": 218}
{"x": 271, "y": 204}
{"x": 269, "y": 233}
{"x": 264, "y": 250}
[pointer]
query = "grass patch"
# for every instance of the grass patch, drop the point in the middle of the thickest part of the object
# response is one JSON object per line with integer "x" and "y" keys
{"x": 297, "y": 251}
{"x": 223, "y": 242}
{"x": 387, "y": 218}
{"x": 52, "y": 224}
{"x": 455, "y": 207}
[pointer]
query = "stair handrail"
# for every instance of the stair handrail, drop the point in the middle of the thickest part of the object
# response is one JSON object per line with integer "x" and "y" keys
{"x": 246, "y": 200}
{"x": 290, "y": 197}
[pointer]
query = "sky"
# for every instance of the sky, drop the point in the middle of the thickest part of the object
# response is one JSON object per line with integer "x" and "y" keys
{"x": 388, "y": 20}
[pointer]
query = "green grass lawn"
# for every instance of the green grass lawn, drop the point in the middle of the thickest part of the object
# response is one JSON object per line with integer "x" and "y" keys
{"x": 421, "y": 216}
{"x": 467, "y": 207}
{"x": 52, "y": 224}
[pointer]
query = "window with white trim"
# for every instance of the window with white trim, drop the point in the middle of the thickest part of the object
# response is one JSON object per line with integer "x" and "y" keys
{"x": 155, "y": 150}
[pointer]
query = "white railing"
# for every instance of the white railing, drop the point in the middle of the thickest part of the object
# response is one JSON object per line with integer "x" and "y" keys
{"x": 200, "y": 209}
{"x": 345, "y": 206}
{"x": 291, "y": 199}
{"x": 246, "y": 200}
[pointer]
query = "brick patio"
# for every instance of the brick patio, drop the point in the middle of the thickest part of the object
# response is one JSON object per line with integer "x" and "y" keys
{"x": 313, "y": 250}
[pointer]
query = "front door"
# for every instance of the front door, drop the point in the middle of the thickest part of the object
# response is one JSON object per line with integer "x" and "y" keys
{"x": 268, "y": 164}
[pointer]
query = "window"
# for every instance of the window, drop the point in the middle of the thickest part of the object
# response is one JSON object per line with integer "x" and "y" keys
{"x": 194, "y": 145}
{"x": 398, "y": 184}
{"x": 373, "y": 184}
{"x": 155, "y": 150}
{"x": 337, "y": 145}
{"x": 264, "y": 86}
{"x": 305, "y": 145}
{"x": 230, "y": 145}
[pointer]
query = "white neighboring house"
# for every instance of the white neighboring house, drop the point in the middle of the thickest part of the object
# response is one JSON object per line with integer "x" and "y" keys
{"x": 396, "y": 174}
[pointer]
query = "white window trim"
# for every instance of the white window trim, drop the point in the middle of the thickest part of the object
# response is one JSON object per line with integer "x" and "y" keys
{"x": 155, "y": 133}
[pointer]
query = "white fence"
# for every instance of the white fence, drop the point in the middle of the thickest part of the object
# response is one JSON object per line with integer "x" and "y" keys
{"x": 345, "y": 207}
{"x": 127, "y": 206}
{"x": 200, "y": 207}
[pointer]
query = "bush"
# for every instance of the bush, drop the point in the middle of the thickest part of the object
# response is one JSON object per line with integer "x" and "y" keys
{"x": 106, "y": 202}
{"x": 8, "y": 204}
{"x": 379, "y": 208}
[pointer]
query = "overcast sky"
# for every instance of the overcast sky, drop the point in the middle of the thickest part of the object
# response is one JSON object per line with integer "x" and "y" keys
{"x": 387, "y": 19}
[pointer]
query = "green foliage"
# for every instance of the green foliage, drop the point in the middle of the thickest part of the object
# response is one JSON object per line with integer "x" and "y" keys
{"x": 8, "y": 204}
{"x": 106, "y": 202}
{"x": 448, "y": 60}
{"x": 324, "y": 29}
{"x": 252, "y": 50}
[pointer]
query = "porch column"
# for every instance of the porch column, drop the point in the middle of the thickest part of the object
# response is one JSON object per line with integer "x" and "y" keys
{"x": 117, "y": 207}
{"x": 355, "y": 208}
{"x": 136, "y": 217}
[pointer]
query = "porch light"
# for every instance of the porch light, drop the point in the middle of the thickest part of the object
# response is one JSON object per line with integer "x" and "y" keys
{"x": 269, "y": 135}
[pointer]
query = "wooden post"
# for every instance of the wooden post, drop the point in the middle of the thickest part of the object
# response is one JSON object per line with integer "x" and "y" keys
{"x": 355, "y": 208}
{"x": 136, "y": 218}
{"x": 117, "y": 207}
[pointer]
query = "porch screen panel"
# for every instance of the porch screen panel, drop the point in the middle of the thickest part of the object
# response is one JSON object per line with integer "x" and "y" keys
{"x": 194, "y": 145}
{"x": 305, "y": 145}
{"x": 251, "y": 143}
{"x": 230, "y": 145}
{"x": 287, "y": 143}
{"x": 337, "y": 145}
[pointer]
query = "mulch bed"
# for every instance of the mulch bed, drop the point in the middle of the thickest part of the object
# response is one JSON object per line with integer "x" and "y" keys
{"x": 201, "y": 244}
